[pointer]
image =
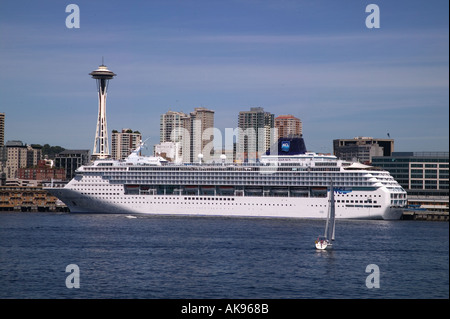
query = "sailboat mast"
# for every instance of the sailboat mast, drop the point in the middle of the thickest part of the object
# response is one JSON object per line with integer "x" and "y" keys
{"x": 332, "y": 212}
{"x": 327, "y": 225}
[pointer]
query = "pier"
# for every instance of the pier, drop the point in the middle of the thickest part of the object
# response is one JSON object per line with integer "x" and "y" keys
{"x": 433, "y": 208}
{"x": 29, "y": 199}
{"x": 424, "y": 215}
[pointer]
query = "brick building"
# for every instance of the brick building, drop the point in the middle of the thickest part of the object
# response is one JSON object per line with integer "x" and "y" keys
{"x": 43, "y": 171}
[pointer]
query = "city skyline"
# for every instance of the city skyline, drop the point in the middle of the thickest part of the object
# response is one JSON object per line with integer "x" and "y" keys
{"x": 316, "y": 61}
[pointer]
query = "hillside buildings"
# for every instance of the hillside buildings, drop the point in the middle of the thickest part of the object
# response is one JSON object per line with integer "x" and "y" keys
{"x": 25, "y": 163}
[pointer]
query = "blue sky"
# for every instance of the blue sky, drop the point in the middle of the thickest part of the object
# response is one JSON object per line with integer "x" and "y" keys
{"x": 316, "y": 60}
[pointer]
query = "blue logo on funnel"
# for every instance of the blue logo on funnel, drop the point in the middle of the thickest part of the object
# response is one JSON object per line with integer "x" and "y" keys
{"x": 285, "y": 145}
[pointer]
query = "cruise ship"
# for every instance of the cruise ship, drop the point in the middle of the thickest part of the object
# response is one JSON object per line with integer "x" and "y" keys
{"x": 287, "y": 182}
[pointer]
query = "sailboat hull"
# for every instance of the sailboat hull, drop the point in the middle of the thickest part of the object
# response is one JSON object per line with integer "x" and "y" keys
{"x": 323, "y": 244}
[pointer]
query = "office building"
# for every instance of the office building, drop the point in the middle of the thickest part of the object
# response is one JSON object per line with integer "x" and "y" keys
{"x": 70, "y": 160}
{"x": 124, "y": 142}
{"x": 424, "y": 176}
{"x": 417, "y": 171}
{"x": 362, "y": 149}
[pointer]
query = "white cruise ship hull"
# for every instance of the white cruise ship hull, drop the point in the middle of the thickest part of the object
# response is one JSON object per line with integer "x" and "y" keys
{"x": 286, "y": 186}
{"x": 237, "y": 206}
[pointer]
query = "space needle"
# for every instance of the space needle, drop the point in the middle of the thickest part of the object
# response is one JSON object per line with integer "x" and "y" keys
{"x": 101, "y": 146}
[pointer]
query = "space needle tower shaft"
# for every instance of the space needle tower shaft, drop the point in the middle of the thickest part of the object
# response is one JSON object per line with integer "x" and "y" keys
{"x": 101, "y": 147}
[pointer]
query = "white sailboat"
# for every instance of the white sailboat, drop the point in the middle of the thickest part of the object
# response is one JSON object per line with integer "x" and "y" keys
{"x": 325, "y": 241}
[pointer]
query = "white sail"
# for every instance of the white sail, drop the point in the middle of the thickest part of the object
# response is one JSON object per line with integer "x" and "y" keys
{"x": 327, "y": 225}
{"x": 330, "y": 225}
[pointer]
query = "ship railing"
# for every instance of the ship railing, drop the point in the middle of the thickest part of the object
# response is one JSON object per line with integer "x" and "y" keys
{"x": 54, "y": 184}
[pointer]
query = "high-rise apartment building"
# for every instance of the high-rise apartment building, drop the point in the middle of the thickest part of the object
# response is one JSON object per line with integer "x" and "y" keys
{"x": 185, "y": 140}
{"x": 16, "y": 157}
{"x": 288, "y": 126}
{"x": 19, "y": 155}
{"x": 173, "y": 126}
{"x": 123, "y": 143}
{"x": 191, "y": 131}
{"x": 170, "y": 125}
{"x": 201, "y": 133}
{"x": 256, "y": 133}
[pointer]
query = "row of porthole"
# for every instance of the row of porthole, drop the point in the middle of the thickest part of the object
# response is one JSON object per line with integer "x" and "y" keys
{"x": 257, "y": 204}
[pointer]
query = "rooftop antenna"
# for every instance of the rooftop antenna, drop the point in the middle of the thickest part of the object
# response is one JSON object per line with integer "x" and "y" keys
{"x": 103, "y": 63}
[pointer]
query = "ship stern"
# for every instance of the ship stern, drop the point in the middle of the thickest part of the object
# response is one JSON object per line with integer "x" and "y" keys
{"x": 393, "y": 213}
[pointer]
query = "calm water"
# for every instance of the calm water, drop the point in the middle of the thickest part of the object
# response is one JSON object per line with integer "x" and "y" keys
{"x": 190, "y": 257}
